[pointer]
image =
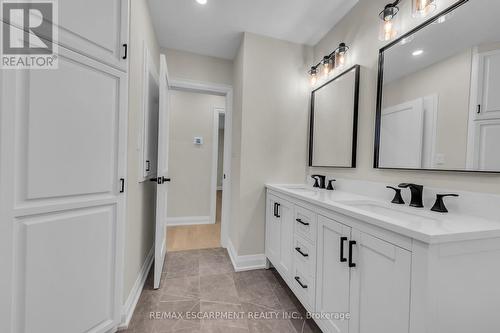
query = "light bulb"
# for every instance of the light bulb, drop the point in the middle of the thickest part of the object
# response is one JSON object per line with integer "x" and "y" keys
{"x": 326, "y": 65}
{"x": 314, "y": 79}
{"x": 422, "y": 8}
{"x": 389, "y": 24}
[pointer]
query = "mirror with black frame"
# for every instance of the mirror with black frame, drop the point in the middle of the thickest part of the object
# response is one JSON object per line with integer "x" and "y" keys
{"x": 439, "y": 93}
{"x": 334, "y": 121}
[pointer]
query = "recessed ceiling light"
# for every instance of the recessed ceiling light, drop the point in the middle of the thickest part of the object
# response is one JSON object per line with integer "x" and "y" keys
{"x": 202, "y": 2}
{"x": 417, "y": 52}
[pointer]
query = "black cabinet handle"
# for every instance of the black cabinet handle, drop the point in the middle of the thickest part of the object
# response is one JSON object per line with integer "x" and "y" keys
{"x": 342, "y": 241}
{"x": 302, "y": 222}
{"x": 300, "y": 251}
{"x": 278, "y": 210}
{"x": 479, "y": 108}
{"x": 122, "y": 185}
{"x": 351, "y": 244}
{"x": 125, "y": 46}
{"x": 299, "y": 282}
{"x": 148, "y": 165}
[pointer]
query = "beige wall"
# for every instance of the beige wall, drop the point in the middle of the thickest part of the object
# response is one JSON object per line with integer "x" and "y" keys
{"x": 450, "y": 81}
{"x": 194, "y": 67}
{"x": 190, "y": 165}
{"x": 359, "y": 29}
{"x": 271, "y": 115}
{"x": 140, "y": 196}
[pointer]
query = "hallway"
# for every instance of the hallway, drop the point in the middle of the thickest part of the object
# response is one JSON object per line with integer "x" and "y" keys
{"x": 199, "y": 285}
{"x": 195, "y": 237}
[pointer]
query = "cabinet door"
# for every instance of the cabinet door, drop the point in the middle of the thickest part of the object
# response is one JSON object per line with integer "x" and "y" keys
{"x": 285, "y": 211}
{"x": 332, "y": 282}
{"x": 489, "y": 85}
{"x": 273, "y": 230}
{"x": 380, "y": 286}
{"x": 95, "y": 28}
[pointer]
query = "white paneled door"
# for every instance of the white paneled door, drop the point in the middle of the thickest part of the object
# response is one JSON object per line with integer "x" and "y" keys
{"x": 63, "y": 144}
{"x": 162, "y": 179}
{"x": 62, "y": 179}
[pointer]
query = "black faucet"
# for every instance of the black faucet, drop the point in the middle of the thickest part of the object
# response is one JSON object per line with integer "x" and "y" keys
{"x": 417, "y": 192}
{"x": 439, "y": 205}
{"x": 319, "y": 181}
{"x": 330, "y": 186}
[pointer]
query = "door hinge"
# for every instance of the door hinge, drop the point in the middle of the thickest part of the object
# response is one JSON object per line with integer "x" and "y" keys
{"x": 125, "y": 47}
{"x": 122, "y": 185}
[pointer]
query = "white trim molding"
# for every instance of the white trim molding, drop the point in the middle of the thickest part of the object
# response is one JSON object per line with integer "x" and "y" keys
{"x": 132, "y": 299}
{"x": 247, "y": 262}
{"x": 189, "y": 220}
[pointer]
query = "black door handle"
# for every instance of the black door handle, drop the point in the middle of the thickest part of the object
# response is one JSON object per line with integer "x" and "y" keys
{"x": 351, "y": 244}
{"x": 342, "y": 241}
{"x": 302, "y": 222}
{"x": 299, "y": 282}
{"x": 160, "y": 180}
{"x": 125, "y": 46}
{"x": 300, "y": 251}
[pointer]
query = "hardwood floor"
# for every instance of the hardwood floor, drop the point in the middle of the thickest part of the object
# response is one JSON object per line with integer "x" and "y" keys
{"x": 195, "y": 237}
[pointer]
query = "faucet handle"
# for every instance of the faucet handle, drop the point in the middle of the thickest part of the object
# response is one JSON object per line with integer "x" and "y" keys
{"x": 315, "y": 177}
{"x": 410, "y": 185}
{"x": 398, "y": 199}
{"x": 330, "y": 185}
{"x": 439, "y": 205}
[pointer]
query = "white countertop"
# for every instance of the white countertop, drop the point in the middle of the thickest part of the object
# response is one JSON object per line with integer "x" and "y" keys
{"x": 417, "y": 223}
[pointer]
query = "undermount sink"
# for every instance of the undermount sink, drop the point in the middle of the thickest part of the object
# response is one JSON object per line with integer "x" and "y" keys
{"x": 402, "y": 214}
{"x": 301, "y": 189}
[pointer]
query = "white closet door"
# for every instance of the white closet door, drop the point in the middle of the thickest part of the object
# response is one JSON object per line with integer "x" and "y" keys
{"x": 401, "y": 135}
{"x": 62, "y": 164}
{"x": 489, "y": 86}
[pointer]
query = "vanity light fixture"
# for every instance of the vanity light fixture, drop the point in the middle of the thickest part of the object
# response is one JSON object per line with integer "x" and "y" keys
{"x": 390, "y": 23}
{"x": 422, "y": 8}
{"x": 329, "y": 62}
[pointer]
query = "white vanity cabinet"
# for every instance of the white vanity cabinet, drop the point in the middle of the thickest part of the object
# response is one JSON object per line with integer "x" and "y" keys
{"x": 339, "y": 262}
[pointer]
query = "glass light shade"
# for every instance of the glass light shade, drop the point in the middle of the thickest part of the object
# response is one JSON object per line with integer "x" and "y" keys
{"x": 313, "y": 79}
{"x": 389, "y": 29}
{"x": 340, "y": 57}
{"x": 422, "y": 8}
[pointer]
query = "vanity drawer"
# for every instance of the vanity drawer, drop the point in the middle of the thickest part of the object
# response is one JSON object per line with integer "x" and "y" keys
{"x": 304, "y": 256}
{"x": 303, "y": 287}
{"x": 305, "y": 223}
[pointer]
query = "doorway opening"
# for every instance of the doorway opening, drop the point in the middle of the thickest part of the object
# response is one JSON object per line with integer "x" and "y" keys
{"x": 199, "y": 164}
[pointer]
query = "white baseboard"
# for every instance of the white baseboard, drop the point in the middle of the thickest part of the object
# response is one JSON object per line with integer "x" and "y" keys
{"x": 189, "y": 220}
{"x": 247, "y": 262}
{"x": 135, "y": 293}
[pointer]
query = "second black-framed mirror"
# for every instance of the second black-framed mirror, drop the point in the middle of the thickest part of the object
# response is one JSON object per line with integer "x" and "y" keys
{"x": 334, "y": 121}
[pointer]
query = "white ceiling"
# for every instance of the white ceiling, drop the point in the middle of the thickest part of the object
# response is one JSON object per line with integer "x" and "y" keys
{"x": 215, "y": 29}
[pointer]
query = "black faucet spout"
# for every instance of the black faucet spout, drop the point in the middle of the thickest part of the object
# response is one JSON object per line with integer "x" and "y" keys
{"x": 417, "y": 192}
{"x": 320, "y": 181}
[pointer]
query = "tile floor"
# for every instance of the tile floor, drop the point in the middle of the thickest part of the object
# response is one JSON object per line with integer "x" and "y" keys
{"x": 199, "y": 285}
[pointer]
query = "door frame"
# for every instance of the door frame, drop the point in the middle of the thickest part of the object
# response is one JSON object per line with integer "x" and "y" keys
{"x": 226, "y": 91}
{"x": 215, "y": 163}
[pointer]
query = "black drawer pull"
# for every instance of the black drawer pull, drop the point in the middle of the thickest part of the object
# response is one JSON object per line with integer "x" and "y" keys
{"x": 302, "y": 222}
{"x": 301, "y": 284}
{"x": 278, "y": 210}
{"x": 342, "y": 241}
{"x": 351, "y": 244}
{"x": 300, "y": 251}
